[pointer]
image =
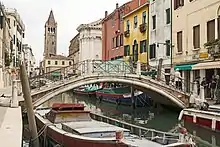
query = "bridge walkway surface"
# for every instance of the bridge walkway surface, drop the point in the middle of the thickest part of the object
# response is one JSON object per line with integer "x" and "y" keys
{"x": 10, "y": 120}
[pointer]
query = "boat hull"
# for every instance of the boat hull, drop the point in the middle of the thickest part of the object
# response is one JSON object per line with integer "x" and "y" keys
{"x": 206, "y": 119}
{"x": 84, "y": 93}
{"x": 62, "y": 138}
{"x": 119, "y": 99}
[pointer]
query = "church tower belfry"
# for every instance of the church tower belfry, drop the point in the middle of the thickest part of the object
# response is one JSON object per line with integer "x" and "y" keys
{"x": 50, "y": 36}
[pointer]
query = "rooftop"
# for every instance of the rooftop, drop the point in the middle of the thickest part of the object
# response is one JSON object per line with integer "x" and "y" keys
{"x": 58, "y": 57}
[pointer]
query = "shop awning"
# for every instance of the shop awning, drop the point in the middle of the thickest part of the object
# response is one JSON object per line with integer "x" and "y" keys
{"x": 184, "y": 67}
{"x": 207, "y": 65}
{"x": 55, "y": 74}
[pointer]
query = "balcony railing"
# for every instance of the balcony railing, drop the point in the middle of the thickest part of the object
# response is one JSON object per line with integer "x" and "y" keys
{"x": 127, "y": 33}
{"x": 143, "y": 27}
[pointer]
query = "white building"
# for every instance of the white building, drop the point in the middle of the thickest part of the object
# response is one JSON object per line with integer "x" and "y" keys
{"x": 17, "y": 28}
{"x": 29, "y": 59}
{"x": 160, "y": 33}
{"x": 90, "y": 41}
{"x": 5, "y": 48}
{"x": 195, "y": 23}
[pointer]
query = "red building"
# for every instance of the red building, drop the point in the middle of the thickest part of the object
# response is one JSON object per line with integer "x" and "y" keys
{"x": 113, "y": 30}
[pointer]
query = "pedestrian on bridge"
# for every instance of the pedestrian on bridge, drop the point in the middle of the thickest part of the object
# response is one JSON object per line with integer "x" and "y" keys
{"x": 178, "y": 79}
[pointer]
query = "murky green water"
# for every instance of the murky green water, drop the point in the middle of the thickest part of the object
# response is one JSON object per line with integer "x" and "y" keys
{"x": 163, "y": 119}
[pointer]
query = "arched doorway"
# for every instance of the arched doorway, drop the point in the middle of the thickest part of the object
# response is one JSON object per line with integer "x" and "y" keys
{"x": 135, "y": 51}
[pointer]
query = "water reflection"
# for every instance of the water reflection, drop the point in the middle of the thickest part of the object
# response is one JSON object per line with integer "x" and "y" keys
{"x": 163, "y": 119}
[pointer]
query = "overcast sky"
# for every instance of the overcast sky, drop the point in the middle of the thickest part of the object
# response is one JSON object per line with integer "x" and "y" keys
{"x": 68, "y": 14}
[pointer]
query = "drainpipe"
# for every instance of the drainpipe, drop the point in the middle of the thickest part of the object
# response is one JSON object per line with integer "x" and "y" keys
{"x": 148, "y": 67}
{"x": 105, "y": 30}
{"x": 171, "y": 37}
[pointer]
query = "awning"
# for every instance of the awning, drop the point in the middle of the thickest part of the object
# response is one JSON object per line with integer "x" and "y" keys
{"x": 207, "y": 65}
{"x": 184, "y": 67}
{"x": 55, "y": 74}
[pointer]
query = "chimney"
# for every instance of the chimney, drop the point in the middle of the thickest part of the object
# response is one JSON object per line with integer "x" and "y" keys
{"x": 106, "y": 13}
{"x": 139, "y": 3}
{"x": 116, "y": 5}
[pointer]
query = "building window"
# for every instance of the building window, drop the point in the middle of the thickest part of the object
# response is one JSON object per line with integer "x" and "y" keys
{"x": 128, "y": 25}
{"x": 70, "y": 63}
{"x": 191, "y": 0}
{"x": 52, "y": 42}
{"x": 14, "y": 23}
{"x": 168, "y": 48}
{"x": 196, "y": 36}
{"x": 154, "y": 21}
{"x": 211, "y": 30}
{"x": 168, "y": 16}
{"x": 63, "y": 62}
{"x": 153, "y": 51}
{"x": 218, "y": 27}
{"x": 121, "y": 39}
{"x": 144, "y": 17}
{"x": 56, "y": 62}
{"x": 9, "y": 23}
{"x": 48, "y": 29}
{"x": 135, "y": 22}
{"x": 127, "y": 50}
{"x": 48, "y": 62}
{"x": 113, "y": 42}
{"x": 178, "y": 3}
{"x": 180, "y": 41}
{"x": 196, "y": 74}
{"x": 14, "y": 39}
{"x": 143, "y": 46}
{"x": 117, "y": 41}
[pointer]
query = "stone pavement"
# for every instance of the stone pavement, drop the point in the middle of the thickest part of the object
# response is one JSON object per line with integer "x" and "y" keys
{"x": 10, "y": 121}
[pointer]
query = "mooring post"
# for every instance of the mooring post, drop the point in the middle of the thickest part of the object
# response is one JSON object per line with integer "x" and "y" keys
{"x": 14, "y": 101}
{"x": 133, "y": 98}
{"x": 28, "y": 102}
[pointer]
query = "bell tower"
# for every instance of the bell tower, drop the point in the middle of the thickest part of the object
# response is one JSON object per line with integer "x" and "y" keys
{"x": 50, "y": 36}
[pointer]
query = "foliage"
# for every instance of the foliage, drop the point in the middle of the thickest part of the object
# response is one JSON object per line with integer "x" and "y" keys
{"x": 211, "y": 45}
{"x": 8, "y": 59}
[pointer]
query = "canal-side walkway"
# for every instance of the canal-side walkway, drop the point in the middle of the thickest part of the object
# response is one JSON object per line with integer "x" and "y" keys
{"x": 10, "y": 120}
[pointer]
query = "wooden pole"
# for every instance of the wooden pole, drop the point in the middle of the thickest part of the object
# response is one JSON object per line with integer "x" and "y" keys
{"x": 28, "y": 102}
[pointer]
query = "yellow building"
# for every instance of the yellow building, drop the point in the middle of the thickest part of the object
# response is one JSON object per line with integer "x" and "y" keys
{"x": 136, "y": 34}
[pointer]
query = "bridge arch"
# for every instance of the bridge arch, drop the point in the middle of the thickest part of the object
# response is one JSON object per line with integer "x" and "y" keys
{"x": 133, "y": 81}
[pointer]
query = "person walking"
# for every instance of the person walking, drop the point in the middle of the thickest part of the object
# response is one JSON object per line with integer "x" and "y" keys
{"x": 217, "y": 91}
{"x": 178, "y": 79}
{"x": 213, "y": 86}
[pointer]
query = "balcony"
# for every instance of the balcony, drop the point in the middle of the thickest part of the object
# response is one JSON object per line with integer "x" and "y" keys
{"x": 143, "y": 28}
{"x": 127, "y": 33}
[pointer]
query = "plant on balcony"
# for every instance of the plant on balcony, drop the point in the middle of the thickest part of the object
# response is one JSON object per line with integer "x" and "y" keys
{"x": 127, "y": 33}
{"x": 8, "y": 60}
{"x": 213, "y": 48}
{"x": 143, "y": 28}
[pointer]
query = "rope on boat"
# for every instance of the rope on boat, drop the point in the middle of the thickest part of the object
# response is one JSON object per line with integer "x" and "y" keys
{"x": 42, "y": 130}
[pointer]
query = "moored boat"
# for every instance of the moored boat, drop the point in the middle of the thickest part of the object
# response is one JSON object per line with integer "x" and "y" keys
{"x": 122, "y": 96}
{"x": 87, "y": 90}
{"x": 205, "y": 118}
{"x": 70, "y": 125}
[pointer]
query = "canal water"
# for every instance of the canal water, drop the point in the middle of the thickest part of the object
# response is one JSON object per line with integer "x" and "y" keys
{"x": 160, "y": 119}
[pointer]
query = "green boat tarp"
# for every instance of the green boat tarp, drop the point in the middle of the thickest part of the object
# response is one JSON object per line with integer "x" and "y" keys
{"x": 119, "y": 90}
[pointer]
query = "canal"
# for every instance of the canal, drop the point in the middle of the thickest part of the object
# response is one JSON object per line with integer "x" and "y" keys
{"x": 160, "y": 119}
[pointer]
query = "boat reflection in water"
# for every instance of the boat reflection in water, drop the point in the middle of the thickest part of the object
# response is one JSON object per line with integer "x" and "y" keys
{"x": 204, "y": 137}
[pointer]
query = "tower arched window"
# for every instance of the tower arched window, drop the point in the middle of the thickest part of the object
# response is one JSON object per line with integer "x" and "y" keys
{"x": 48, "y": 29}
{"x": 54, "y": 30}
{"x": 51, "y": 30}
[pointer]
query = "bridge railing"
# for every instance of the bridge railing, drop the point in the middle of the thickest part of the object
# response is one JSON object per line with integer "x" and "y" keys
{"x": 81, "y": 68}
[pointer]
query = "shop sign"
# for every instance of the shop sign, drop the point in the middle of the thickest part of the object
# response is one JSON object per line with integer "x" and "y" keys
{"x": 203, "y": 55}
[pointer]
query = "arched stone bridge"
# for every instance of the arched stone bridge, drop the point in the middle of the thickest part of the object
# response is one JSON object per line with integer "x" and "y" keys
{"x": 88, "y": 72}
